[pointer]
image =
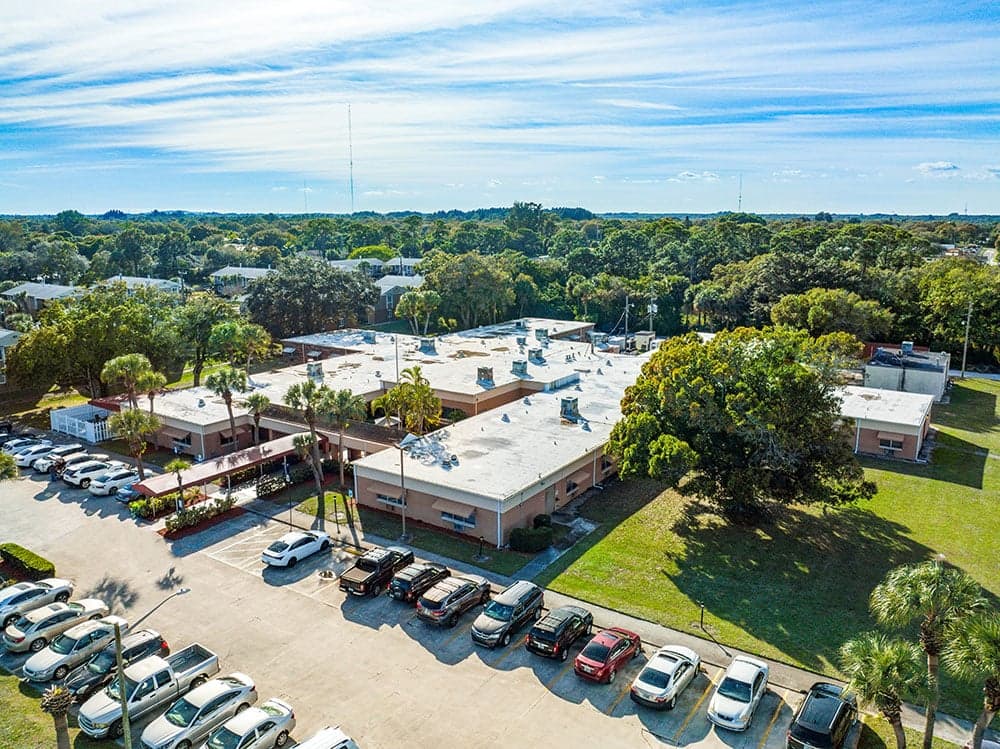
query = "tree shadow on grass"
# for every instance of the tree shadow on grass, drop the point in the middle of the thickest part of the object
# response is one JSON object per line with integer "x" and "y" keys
{"x": 800, "y": 582}
{"x": 969, "y": 409}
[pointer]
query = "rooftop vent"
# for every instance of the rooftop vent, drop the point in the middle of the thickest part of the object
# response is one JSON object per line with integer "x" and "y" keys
{"x": 485, "y": 375}
{"x": 535, "y": 355}
{"x": 520, "y": 324}
{"x": 522, "y": 340}
{"x": 519, "y": 368}
{"x": 505, "y": 419}
{"x": 541, "y": 333}
{"x": 427, "y": 346}
{"x": 314, "y": 371}
{"x": 368, "y": 336}
{"x": 569, "y": 409}
{"x": 906, "y": 348}
{"x": 201, "y": 403}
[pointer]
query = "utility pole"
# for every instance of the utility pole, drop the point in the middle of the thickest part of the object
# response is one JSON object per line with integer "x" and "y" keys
{"x": 625, "y": 345}
{"x": 652, "y": 308}
{"x": 404, "y": 538}
{"x": 120, "y": 668}
{"x": 965, "y": 346}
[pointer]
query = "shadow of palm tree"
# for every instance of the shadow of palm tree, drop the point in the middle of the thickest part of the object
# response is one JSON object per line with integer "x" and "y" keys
{"x": 118, "y": 594}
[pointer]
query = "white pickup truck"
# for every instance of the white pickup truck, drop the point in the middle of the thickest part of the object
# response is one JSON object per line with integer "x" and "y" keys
{"x": 151, "y": 683}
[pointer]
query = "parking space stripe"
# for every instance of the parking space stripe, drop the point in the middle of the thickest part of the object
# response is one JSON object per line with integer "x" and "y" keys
{"x": 694, "y": 710}
{"x": 460, "y": 631}
{"x": 561, "y": 673}
{"x": 511, "y": 649}
{"x": 774, "y": 719}
{"x": 619, "y": 698}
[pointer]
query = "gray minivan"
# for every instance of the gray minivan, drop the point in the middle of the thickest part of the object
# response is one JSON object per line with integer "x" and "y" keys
{"x": 508, "y": 612}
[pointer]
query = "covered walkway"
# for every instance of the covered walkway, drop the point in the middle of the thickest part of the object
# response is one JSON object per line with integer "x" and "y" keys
{"x": 216, "y": 468}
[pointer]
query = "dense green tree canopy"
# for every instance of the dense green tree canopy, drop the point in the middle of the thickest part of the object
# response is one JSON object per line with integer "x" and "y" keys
{"x": 821, "y": 311}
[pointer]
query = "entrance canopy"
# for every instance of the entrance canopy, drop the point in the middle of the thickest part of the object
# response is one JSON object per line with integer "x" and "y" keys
{"x": 214, "y": 468}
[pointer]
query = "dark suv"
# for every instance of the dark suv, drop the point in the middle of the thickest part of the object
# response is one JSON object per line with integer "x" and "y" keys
{"x": 95, "y": 673}
{"x": 451, "y": 598}
{"x": 824, "y": 718}
{"x": 553, "y": 635}
{"x": 411, "y": 582}
{"x": 504, "y": 615}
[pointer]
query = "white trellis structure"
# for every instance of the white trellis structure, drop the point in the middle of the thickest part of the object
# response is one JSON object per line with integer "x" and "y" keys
{"x": 88, "y": 423}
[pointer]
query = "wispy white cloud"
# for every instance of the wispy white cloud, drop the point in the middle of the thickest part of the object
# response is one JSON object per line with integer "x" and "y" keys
{"x": 937, "y": 168}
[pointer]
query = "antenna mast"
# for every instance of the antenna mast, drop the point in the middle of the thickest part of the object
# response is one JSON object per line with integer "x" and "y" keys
{"x": 350, "y": 154}
{"x": 739, "y": 198}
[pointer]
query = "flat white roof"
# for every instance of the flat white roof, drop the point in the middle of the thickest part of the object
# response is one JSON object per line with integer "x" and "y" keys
{"x": 42, "y": 290}
{"x": 240, "y": 272}
{"x": 887, "y": 406}
{"x": 385, "y": 283}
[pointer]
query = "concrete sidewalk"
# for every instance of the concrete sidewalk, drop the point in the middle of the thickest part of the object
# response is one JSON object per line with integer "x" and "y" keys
{"x": 654, "y": 635}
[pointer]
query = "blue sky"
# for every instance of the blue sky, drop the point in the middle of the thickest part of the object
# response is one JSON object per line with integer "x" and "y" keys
{"x": 614, "y": 106}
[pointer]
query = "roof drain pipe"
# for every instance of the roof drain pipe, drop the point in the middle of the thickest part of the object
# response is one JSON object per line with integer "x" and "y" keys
{"x": 499, "y": 525}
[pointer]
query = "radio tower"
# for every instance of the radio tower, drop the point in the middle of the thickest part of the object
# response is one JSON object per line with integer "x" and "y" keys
{"x": 350, "y": 155}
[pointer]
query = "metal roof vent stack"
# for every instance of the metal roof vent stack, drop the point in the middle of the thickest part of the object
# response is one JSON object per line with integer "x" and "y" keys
{"x": 201, "y": 403}
{"x": 505, "y": 419}
{"x": 526, "y": 401}
{"x": 586, "y": 426}
{"x": 522, "y": 340}
{"x": 599, "y": 371}
{"x": 535, "y": 355}
{"x": 906, "y": 348}
{"x": 427, "y": 345}
{"x": 519, "y": 368}
{"x": 484, "y": 376}
{"x": 520, "y": 324}
{"x": 541, "y": 333}
{"x": 569, "y": 409}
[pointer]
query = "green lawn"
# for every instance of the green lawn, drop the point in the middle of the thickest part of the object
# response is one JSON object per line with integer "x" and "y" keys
{"x": 23, "y": 725}
{"x": 796, "y": 588}
{"x": 389, "y": 526}
{"x": 876, "y": 733}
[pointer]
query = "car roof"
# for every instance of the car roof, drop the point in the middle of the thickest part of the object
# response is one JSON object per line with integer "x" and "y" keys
{"x": 13, "y": 590}
{"x": 85, "y": 628}
{"x": 513, "y": 593}
{"x": 666, "y": 663}
{"x": 744, "y": 669}
{"x": 146, "y": 667}
{"x": 208, "y": 691}
{"x": 821, "y": 706}
{"x": 51, "y": 582}
{"x": 37, "y": 615}
{"x": 139, "y": 637}
{"x": 609, "y": 637}
{"x": 293, "y": 536}
{"x": 247, "y": 720}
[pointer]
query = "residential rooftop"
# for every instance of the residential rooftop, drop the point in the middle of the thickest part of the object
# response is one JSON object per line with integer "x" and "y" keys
{"x": 889, "y": 406}
{"x": 42, "y": 290}
{"x": 240, "y": 271}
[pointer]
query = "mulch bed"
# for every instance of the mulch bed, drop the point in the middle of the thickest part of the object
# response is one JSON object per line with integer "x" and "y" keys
{"x": 184, "y": 532}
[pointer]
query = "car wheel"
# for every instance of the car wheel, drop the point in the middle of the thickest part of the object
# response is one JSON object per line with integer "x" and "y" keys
{"x": 243, "y": 706}
{"x": 282, "y": 739}
{"x": 453, "y": 620}
{"x": 324, "y": 546}
{"x": 197, "y": 681}
{"x": 505, "y": 640}
{"x": 292, "y": 562}
{"x": 116, "y": 731}
{"x": 60, "y": 673}
{"x": 37, "y": 645}
{"x": 611, "y": 676}
{"x": 183, "y": 745}
{"x": 484, "y": 597}
{"x": 62, "y": 597}
{"x": 85, "y": 484}
{"x": 564, "y": 654}
{"x": 671, "y": 703}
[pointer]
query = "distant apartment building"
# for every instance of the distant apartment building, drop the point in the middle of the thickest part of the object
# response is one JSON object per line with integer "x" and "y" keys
{"x": 169, "y": 286}
{"x": 33, "y": 296}
{"x": 233, "y": 280}
{"x": 8, "y": 338}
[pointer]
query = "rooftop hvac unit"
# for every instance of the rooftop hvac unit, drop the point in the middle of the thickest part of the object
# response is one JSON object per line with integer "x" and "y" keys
{"x": 541, "y": 333}
{"x": 427, "y": 346}
{"x": 519, "y": 368}
{"x": 569, "y": 409}
{"x": 368, "y": 336}
{"x": 485, "y": 374}
{"x": 314, "y": 371}
{"x": 521, "y": 340}
{"x": 520, "y": 324}
{"x": 535, "y": 355}
{"x": 906, "y": 348}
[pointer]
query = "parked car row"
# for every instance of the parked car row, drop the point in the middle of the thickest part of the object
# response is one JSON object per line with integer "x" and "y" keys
{"x": 74, "y": 465}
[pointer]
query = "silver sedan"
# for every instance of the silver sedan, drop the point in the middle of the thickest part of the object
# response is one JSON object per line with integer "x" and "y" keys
{"x": 257, "y": 728}
{"x": 35, "y": 630}
{"x": 21, "y": 597}
{"x": 191, "y": 718}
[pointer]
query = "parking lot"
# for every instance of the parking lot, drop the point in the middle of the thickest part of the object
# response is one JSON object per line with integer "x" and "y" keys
{"x": 368, "y": 664}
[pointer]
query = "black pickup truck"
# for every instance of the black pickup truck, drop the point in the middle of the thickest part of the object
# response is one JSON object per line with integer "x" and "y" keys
{"x": 374, "y": 569}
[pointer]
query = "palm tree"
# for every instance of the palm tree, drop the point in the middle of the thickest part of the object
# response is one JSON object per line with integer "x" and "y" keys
{"x": 343, "y": 408}
{"x": 134, "y": 425}
{"x": 223, "y": 382}
{"x": 256, "y": 403}
{"x": 151, "y": 383}
{"x": 128, "y": 369}
{"x": 973, "y": 652}
{"x": 56, "y": 701}
{"x": 880, "y": 671}
{"x": 177, "y": 466}
{"x": 421, "y": 407}
{"x": 8, "y": 467}
{"x": 936, "y": 595}
{"x": 312, "y": 400}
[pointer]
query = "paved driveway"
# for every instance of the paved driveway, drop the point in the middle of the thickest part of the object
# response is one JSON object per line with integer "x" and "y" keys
{"x": 368, "y": 664}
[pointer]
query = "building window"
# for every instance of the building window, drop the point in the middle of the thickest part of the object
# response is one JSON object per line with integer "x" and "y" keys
{"x": 606, "y": 464}
{"x": 224, "y": 439}
{"x": 571, "y": 486}
{"x": 390, "y": 501}
{"x": 890, "y": 444}
{"x": 458, "y": 521}
{"x": 183, "y": 441}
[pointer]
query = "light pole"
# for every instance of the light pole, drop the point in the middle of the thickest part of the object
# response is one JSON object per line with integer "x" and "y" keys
{"x": 965, "y": 346}
{"x": 120, "y": 667}
{"x": 404, "y": 537}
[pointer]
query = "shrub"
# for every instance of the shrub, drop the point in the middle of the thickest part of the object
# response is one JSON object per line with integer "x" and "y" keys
{"x": 27, "y": 562}
{"x": 531, "y": 539}
{"x": 300, "y": 472}
{"x": 153, "y": 507}
{"x": 542, "y": 521}
{"x": 199, "y": 513}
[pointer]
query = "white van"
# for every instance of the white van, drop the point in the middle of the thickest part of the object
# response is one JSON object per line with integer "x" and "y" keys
{"x": 328, "y": 738}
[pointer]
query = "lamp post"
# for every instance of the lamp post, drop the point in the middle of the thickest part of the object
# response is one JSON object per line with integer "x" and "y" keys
{"x": 404, "y": 537}
{"x": 120, "y": 667}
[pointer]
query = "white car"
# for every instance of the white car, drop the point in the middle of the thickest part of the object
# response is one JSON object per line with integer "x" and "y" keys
{"x": 191, "y": 718}
{"x": 43, "y": 464}
{"x": 257, "y": 728}
{"x": 111, "y": 481}
{"x": 21, "y": 597}
{"x": 666, "y": 674}
{"x": 12, "y": 447}
{"x": 330, "y": 738}
{"x": 293, "y": 547}
{"x": 25, "y": 458}
{"x": 739, "y": 693}
{"x": 84, "y": 473}
{"x": 34, "y": 630}
{"x": 71, "y": 648}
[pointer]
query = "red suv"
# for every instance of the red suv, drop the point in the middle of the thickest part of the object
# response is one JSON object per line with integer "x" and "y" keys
{"x": 606, "y": 654}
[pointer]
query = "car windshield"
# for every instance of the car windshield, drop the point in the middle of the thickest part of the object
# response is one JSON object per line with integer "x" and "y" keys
{"x": 735, "y": 690}
{"x": 130, "y": 687}
{"x": 367, "y": 565}
{"x": 654, "y": 678}
{"x": 102, "y": 478}
{"x": 596, "y": 651}
{"x": 101, "y": 663}
{"x": 22, "y": 623}
{"x": 182, "y": 713}
{"x": 499, "y": 611}
{"x": 62, "y": 645}
{"x": 277, "y": 547}
{"x": 224, "y": 739}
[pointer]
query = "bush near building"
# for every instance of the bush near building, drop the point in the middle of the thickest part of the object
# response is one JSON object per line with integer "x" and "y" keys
{"x": 531, "y": 540}
{"x": 26, "y": 562}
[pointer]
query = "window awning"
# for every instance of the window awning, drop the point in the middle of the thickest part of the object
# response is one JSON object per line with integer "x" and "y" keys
{"x": 453, "y": 508}
{"x": 314, "y": 353}
{"x": 894, "y": 436}
{"x": 244, "y": 429}
{"x": 177, "y": 434}
{"x": 288, "y": 350}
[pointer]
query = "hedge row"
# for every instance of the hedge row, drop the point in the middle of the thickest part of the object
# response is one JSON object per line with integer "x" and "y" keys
{"x": 531, "y": 539}
{"x": 153, "y": 507}
{"x": 196, "y": 514}
{"x": 26, "y": 562}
